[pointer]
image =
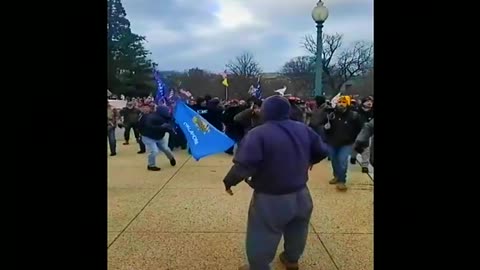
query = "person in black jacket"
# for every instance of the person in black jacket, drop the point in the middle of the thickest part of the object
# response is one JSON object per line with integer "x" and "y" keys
{"x": 153, "y": 128}
{"x": 145, "y": 110}
{"x": 232, "y": 129}
{"x": 341, "y": 129}
{"x": 317, "y": 115}
{"x": 177, "y": 138}
{"x": 214, "y": 113}
{"x": 200, "y": 106}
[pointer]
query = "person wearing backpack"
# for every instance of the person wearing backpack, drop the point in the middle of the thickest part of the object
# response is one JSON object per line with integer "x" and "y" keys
{"x": 341, "y": 129}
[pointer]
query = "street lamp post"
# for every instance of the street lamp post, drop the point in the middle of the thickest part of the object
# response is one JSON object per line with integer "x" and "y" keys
{"x": 319, "y": 15}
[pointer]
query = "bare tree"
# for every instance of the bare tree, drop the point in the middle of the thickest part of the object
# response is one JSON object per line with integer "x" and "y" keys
{"x": 298, "y": 66}
{"x": 331, "y": 44}
{"x": 299, "y": 71}
{"x": 339, "y": 64}
{"x": 244, "y": 65}
{"x": 356, "y": 60}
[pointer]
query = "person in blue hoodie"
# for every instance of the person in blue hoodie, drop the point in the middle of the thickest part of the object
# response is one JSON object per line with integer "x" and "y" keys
{"x": 153, "y": 127}
{"x": 277, "y": 156}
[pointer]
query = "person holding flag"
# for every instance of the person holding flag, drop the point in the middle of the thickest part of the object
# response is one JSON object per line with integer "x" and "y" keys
{"x": 256, "y": 91}
{"x": 154, "y": 127}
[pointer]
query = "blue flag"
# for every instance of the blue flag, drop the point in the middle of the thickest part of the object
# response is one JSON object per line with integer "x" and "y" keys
{"x": 203, "y": 139}
{"x": 161, "y": 89}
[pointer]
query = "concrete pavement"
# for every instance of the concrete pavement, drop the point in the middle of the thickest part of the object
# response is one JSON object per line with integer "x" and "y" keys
{"x": 181, "y": 217}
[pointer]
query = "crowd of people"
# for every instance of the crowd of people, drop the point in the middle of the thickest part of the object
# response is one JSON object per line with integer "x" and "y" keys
{"x": 338, "y": 126}
{"x": 277, "y": 141}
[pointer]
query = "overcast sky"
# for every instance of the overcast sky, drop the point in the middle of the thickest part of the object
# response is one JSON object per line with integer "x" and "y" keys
{"x": 182, "y": 34}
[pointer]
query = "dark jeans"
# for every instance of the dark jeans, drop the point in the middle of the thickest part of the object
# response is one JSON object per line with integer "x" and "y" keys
{"x": 339, "y": 157}
{"x": 235, "y": 137}
{"x": 135, "y": 132}
{"x": 177, "y": 139}
{"x": 270, "y": 217}
{"x": 141, "y": 144}
{"x": 112, "y": 141}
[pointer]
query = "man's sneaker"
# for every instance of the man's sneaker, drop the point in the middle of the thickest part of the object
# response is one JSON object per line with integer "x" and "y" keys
{"x": 113, "y": 154}
{"x": 341, "y": 186}
{"x": 353, "y": 160}
{"x": 364, "y": 169}
{"x": 141, "y": 152}
{"x": 288, "y": 265}
{"x": 153, "y": 168}
{"x": 125, "y": 143}
{"x": 333, "y": 181}
{"x": 173, "y": 162}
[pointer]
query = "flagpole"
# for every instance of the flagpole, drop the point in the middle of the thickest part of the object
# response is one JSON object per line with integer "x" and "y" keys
{"x": 225, "y": 83}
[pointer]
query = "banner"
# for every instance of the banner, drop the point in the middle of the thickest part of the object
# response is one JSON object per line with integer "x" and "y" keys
{"x": 203, "y": 139}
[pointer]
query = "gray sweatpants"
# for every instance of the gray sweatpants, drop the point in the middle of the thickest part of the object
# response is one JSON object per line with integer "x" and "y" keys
{"x": 365, "y": 157}
{"x": 270, "y": 217}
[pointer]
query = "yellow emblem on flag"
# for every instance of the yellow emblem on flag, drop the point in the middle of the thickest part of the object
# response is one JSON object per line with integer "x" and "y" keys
{"x": 201, "y": 125}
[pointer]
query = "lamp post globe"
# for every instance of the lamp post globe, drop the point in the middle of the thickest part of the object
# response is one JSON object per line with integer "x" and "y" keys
{"x": 319, "y": 15}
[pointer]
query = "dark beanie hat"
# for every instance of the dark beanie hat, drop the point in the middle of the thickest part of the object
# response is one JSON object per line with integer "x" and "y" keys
{"x": 275, "y": 108}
